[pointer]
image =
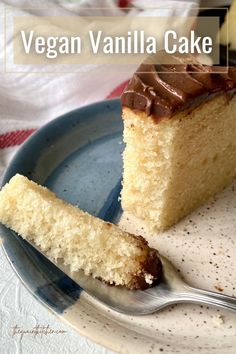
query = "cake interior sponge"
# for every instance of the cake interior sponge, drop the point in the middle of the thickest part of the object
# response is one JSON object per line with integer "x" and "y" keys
{"x": 65, "y": 232}
{"x": 173, "y": 166}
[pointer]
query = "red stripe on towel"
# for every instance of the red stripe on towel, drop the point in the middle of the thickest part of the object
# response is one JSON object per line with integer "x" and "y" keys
{"x": 14, "y": 138}
{"x": 123, "y": 3}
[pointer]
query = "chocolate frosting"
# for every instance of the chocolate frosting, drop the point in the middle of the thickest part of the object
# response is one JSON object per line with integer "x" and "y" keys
{"x": 161, "y": 90}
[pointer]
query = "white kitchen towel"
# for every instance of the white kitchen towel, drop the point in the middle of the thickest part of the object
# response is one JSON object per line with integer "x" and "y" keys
{"x": 28, "y": 100}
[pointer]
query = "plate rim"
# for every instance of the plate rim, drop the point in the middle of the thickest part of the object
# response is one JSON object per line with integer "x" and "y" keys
{"x": 45, "y": 126}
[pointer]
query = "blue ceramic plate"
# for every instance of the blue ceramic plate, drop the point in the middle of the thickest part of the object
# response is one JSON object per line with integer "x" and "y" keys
{"x": 78, "y": 156}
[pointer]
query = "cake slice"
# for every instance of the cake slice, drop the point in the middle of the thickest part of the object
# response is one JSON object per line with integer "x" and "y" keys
{"x": 180, "y": 135}
{"x": 82, "y": 241}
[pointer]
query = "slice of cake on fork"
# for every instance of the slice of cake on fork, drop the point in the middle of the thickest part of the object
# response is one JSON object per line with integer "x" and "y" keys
{"x": 180, "y": 136}
{"x": 81, "y": 241}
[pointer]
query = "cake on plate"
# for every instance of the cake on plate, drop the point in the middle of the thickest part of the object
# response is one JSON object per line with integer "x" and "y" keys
{"x": 180, "y": 135}
{"x": 63, "y": 231}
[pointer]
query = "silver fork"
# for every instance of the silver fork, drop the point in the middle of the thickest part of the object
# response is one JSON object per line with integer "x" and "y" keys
{"x": 170, "y": 290}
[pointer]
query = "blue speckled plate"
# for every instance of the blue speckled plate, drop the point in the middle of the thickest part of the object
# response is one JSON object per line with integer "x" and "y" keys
{"x": 78, "y": 156}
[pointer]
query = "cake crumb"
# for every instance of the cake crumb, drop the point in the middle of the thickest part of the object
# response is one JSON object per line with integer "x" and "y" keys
{"x": 219, "y": 288}
{"x": 148, "y": 278}
{"x": 218, "y": 320}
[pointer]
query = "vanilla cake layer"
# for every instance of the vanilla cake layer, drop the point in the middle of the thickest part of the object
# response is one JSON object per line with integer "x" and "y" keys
{"x": 82, "y": 241}
{"x": 173, "y": 166}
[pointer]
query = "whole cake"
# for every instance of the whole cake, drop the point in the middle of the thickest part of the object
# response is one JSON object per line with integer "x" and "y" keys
{"x": 180, "y": 135}
{"x": 63, "y": 231}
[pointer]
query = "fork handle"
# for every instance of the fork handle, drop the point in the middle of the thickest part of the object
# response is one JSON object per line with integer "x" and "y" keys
{"x": 210, "y": 298}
